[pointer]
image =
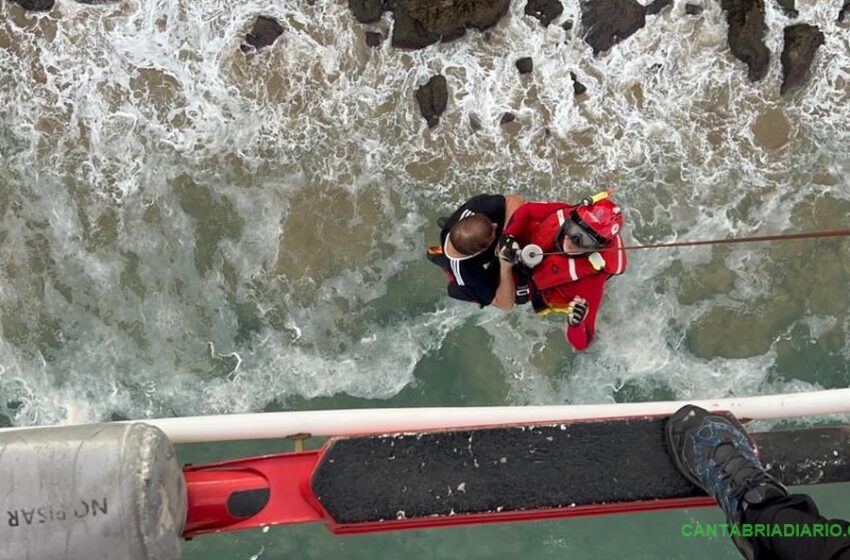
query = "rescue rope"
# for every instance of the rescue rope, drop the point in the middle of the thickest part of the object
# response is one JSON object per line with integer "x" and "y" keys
{"x": 755, "y": 239}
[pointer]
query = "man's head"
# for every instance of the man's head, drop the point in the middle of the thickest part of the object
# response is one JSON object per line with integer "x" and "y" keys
{"x": 591, "y": 227}
{"x": 473, "y": 234}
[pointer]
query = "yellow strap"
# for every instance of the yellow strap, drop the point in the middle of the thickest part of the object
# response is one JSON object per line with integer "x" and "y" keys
{"x": 546, "y": 311}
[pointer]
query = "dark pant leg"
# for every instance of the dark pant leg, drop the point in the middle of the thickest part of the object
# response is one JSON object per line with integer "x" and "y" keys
{"x": 796, "y": 509}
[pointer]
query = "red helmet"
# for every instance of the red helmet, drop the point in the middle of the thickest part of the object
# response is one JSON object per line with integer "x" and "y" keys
{"x": 604, "y": 217}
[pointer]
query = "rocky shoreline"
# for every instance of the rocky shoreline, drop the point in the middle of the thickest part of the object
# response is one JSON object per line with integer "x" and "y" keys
{"x": 603, "y": 24}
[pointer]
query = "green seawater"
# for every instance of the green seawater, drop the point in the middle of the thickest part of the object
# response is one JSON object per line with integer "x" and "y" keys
{"x": 187, "y": 229}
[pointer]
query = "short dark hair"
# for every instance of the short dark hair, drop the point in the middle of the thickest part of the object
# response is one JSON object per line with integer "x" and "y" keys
{"x": 472, "y": 234}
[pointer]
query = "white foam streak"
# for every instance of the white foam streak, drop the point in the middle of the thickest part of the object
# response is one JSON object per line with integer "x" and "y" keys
{"x": 119, "y": 277}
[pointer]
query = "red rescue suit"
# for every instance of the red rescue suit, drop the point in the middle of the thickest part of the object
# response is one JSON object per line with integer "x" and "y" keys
{"x": 560, "y": 278}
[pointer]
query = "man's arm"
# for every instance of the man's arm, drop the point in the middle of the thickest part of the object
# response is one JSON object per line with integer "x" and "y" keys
{"x": 505, "y": 293}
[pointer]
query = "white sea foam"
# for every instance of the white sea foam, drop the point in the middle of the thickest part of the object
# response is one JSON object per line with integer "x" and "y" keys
{"x": 154, "y": 176}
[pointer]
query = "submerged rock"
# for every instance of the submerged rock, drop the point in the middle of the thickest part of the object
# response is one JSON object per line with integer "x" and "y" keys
{"x": 693, "y": 9}
{"x": 36, "y": 5}
{"x": 845, "y": 11}
{"x": 433, "y": 98}
{"x": 607, "y": 22}
{"x": 746, "y": 35}
{"x": 771, "y": 129}
{"x": 544, "y": 10}
{"x": 525, "y": 65}
{"x": 266, "y": 31}
{"x": 373, "y": 39}
{"x": 507, "y": 117}
{"x": 366, "y": 11}
{"x": 801, "y": 43}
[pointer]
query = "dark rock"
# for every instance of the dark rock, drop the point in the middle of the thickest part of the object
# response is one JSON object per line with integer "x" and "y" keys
{"x": 97, "y": 2}
{"x": 657, "y": 6}
{"x": 433, "y": 98}
{"x": 266, "y": 31}
{"x": 578, "y": 87}
{"x": 607, "y": 22}
{"x": 36, "y": 5}
{"x": 373, "y": 39}
{"x": 845, "y": 11}
{"x": 746, "y": 32}
{"x": 389, "y": 5}
{"x": 507, "y": 118}
{"x": 474, "y": 123}
{"x": 801, "y": 43}
{"x": 567, "y": 25}
{"x": 525, "y": 65}
{"x": 311, "y": 2}
{"x": 409, "y": 33}
{"x": 419, "y": 23}
{"x": 544, "y": 10}
{"x": 693, "y": 9}
{"x": 366, "y": 11}
{"x": 450, "y": 18}
{"x": 788, "y": 7}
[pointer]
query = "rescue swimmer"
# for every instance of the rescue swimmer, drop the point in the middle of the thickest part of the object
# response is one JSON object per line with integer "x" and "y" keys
{"x": 560, "y": 256}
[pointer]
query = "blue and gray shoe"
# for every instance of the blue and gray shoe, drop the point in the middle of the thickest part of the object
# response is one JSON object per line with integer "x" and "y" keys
{"x": 716, "y": 454}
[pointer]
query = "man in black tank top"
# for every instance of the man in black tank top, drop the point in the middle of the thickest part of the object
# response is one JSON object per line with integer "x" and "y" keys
{"x": 467, "y": 251}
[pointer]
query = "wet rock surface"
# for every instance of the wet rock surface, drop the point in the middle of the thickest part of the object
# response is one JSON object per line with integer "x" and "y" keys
{"x": 578, "y": 87}
{"x": 35, "y": 5}
{"x": 366, "y": 11}
{"x": 544, "y": 11}
{"x": 844, "y": 14}
{"x": 409, "y": 33}
{"x": 446, "y": 16}
{"x": 788, "y": 7}
{"x": 607, "y": 22}
{"x": 419, "y": 23}
{"x": 693, "y": 9}
{"x": 746, "y": 35}
{"x": 801, "y": 43}
{"x": 525, "y": 65}
{"x": 657, "y": 6}
{"x": 265, "y": 32}
{"x": 373, "y": 39}
{"x": 433, "y": 98}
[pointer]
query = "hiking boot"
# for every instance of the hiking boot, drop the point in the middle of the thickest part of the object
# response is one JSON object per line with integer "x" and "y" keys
{"x": 716, "y": 454}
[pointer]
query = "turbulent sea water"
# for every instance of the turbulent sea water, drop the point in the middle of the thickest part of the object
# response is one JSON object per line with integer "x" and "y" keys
{"x": 187, "y": 229}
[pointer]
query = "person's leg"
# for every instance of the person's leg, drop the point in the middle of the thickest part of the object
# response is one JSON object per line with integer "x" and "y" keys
{"x": 716, "y": 454}
{"x": 792, "y": 513}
